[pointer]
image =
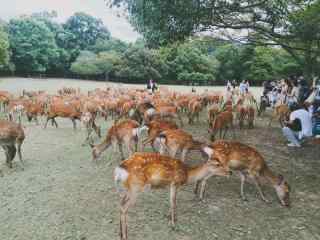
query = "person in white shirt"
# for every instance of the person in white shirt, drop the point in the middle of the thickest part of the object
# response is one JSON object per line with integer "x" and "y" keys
{"x": 242, "y": 87}
{"x": 294, "y": 136}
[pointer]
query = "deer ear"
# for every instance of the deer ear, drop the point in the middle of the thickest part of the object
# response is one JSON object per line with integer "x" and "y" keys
{"x": 280, "y": 179}
{"x": 208, "y": 151}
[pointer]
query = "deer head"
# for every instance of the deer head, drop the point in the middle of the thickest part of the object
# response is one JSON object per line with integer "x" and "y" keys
{"x": 282, "y": 189}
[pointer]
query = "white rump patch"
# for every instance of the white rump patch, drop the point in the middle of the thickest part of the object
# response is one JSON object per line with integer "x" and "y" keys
{"x": 138, "y": 131}
{"x": 131, "y": 112}
{"x": 150, "y": 111}
{"x": 120, "y": 174}
{"x": 208, "y": 151}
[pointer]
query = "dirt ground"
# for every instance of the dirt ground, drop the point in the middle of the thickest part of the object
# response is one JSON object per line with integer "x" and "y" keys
{"x": 62, "y": 195}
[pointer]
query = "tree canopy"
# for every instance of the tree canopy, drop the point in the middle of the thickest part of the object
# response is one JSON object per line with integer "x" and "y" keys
{"x": 291, "y": 24}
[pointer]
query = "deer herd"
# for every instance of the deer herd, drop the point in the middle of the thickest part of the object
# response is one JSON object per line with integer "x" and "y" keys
{"x": 137, "y": 113}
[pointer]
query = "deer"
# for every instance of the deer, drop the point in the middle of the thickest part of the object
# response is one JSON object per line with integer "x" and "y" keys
{"x": 143, "y": 171}
{"x": 124, "y": 132}
{"x": 248, "y": 162}
{"x": 65, "y": 109}
{"x": 281, "y": 112}
{"x": 194, "y": 107}
{"x": 11, "y": 139}
{"x": 222, "y": 121}
{"x": 155, "y": 127}
{"x": 173, "y": 141}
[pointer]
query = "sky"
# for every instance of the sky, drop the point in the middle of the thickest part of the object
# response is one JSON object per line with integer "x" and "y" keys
{"x": 118, "y": 26}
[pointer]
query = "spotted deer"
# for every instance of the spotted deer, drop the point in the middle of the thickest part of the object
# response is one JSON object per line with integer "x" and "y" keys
{"x": 151, "y": 170}
{"x": 125, "y": 132}
{"x": 248, "y": 162}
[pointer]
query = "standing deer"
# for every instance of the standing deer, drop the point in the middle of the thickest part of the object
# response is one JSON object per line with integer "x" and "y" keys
{"x": 11, "y": 139}
{"x": 125, "y": 132}
{"x": 173, "y": 141}
{"x": 152, "y": 170}
{"x": 247, "y": 161}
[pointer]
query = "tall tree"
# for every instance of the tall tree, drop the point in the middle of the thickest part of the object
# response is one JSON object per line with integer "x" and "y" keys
{"x": 32, "y": 44}
{"x": 266, "y": 22}
{"x": 4, "y": 48}
{"x": 85, "y": 30}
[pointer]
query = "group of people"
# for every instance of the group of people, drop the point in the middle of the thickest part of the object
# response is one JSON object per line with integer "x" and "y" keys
{"x": 304, "y": 104}
{"x": 243, "y": 86}
{"x": 152, "y": 86}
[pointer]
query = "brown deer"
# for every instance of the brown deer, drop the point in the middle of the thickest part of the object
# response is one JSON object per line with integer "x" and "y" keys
{"x": 280, "y": 112}
{"x": 151, "y": 170}
{"x": 173, "y": 141}
{"x": 155, "y": 127}
{"x": 11, "y": 139}
{"x": 247, "y": 161}
{"x": 65, "y": 109}
{"x": 222, "y": 121}
{"x": 124, "y": 132}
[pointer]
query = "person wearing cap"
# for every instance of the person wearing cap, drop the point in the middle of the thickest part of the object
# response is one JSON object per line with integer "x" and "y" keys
{"x": 298, "y": 127}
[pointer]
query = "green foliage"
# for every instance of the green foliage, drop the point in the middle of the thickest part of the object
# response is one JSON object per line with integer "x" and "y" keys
{"x": 32, "y": 44}
{"x": 291, "y": 24}
{"x": 4, "y": 48}
{"x": 83, "y": 31}
{"x": 103, "y": 45}
{"x": 140, "y": 64}
{"x": 91, "y": 64}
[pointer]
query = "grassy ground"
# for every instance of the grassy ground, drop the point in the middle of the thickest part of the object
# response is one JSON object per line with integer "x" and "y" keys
{"x": 63, "y": 195}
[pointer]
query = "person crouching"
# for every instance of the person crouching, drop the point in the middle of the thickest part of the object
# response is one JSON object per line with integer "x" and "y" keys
{"x": 298, "y": 127}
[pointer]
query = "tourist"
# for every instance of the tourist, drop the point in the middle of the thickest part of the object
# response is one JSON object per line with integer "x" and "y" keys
{"x": 298, "y": 127}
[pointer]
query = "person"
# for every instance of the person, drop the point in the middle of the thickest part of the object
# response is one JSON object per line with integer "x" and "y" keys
{"x": 242, "y": 87}
{"x": 150, "y": 84}
{"x": 234, "y": 83}
{"x": 154, "y": 87}
{"x": 298, "y": 127}
{"x": 229, "y": 85}
{"x": 292, "y": 96}
{"x": 247, "y": 85}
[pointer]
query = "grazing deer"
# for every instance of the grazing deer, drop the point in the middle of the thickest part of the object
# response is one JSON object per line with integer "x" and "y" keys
{"x": 247, "y": 161}
{"x": 281, "y": 112}
{"x": 11, "y": 139}
{"x": 151, "y": 170}
{"x": 124, "y": 132}
{"x": 155, "y": 127}
{"x": 221, "y": 122}
{"x": 173, "y": 141}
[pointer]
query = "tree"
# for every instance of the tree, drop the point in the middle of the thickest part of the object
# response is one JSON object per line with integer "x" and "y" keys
{"x": 139, "y": 64}
{"x": 291, "y": 24}
{"x": 86, "y": 64}
{"x": 4, "y": 48}
{"x": 112, "y": 44}
{"x": 84, "y": 30}
{"x": 32, "y": 44}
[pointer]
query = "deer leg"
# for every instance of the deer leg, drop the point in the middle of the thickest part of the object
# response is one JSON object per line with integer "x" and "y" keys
{"x": 127, "y": 201}
{"x": 196, "y": 189}
{"x": 19, "y": 152}
{"x": 180, "y": 119}
{"x": 96, "y": 129}
{"x": 257, "y": 183}
{"x": 225, "y": 131}
{"x": 173, "y": 203}
{"x": 55, "y": 122}
{"x": 184, "y": 154}
{"x": 74, "y": 123}
{"x": 121, "y": 149}
{"x": 242, "y": 179}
